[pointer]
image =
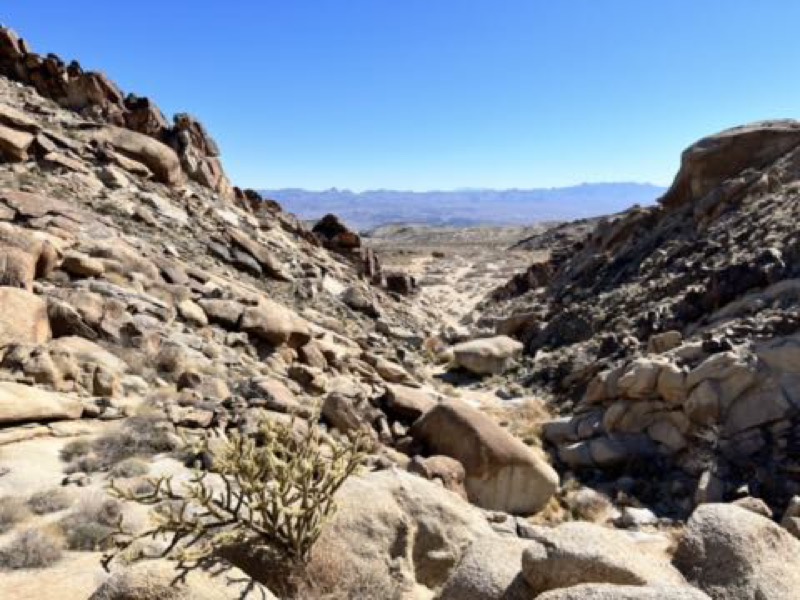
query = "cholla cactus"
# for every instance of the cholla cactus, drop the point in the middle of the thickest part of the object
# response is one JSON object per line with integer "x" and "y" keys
{"x": 268, "y": 494}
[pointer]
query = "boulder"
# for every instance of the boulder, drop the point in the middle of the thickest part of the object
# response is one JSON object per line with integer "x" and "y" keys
{"x": 14, "y": 144}
{"x": 708, "y": 162}
{"x": 162, "y": 580}
{"x": 157, "y": 157}
{"x": 17, "y": 268}
{"x": 448, "y": 471}
{"x": 24, "y": 318}
{"x": 22, "y": 403}
{"x": 406, "y": 403}
{"x": 226, "y": 313}
{"x": 732, "y": 553}
{"x": 579, "y": 552}
{"x": 791, "y": 517}
{"x": 606, "y": 591}
{"x": 275, "y": 324}
{"x": 502, "y": 472}
{"x": 406, "y": 531}
{"x": 489, "y": 570}
{"x": 487, "y": 356}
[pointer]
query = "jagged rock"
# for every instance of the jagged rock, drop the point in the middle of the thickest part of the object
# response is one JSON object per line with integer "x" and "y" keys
{"x": 578, "y": 552}
{"x": 487, "y": 356}
{"x": 14, "y": 144}
{"x": 400, "y": 283}
{"x": 22, "y": 404}
{"x": 24, "y": 318}
{"x": 335, "y": 235}
{"x": 502, "y": 473}
{"x": 729, "y": 552}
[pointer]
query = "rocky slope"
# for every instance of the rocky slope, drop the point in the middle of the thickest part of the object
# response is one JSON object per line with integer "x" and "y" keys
{"x": 668, "y": 334}
{"x": 148, "y": 303}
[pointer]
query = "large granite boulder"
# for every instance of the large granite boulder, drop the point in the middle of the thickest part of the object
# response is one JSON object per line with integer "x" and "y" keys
{"x": 732, "y": 553}
{"x": 502, "y": 472}
{"x": 487, "y": 356}
{"x": 23, "y": 403}
{"x": 580, "y": 552}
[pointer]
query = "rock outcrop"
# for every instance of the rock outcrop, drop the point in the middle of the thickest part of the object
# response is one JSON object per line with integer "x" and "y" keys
{"x": 668, "y": 333}
{"x": 93, "y": 95}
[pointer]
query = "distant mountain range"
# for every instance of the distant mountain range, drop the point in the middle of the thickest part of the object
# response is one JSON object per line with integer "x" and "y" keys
{"x": 467, "y": 207}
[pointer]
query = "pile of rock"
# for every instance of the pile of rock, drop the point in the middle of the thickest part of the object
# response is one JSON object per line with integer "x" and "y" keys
{"x": 673, "y": 326}
{"x": 95, "y": 96}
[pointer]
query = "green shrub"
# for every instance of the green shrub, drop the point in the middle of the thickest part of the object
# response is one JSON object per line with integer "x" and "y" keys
{"x": 30, "y": 549}
{"x": 264, "y": 504}
{"x": 50, "y": 501}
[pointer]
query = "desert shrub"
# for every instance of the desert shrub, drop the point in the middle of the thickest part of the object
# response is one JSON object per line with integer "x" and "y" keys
{"x": 263, "y": 506}
{"x": 142, "y": 435}
{"x": 75, "y": 449}
{"x": 12, "y": 511}
{"x": 130, "y": 467}
{"x": 91, "y": 525}
{"x": 50, "y": 501}
{"x": 31, "y": 549}
{"x": 89, "y": 463}
{"x": 332, "y": 574}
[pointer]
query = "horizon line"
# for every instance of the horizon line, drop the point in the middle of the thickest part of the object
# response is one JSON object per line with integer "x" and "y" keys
{"x": 456, "y": 190}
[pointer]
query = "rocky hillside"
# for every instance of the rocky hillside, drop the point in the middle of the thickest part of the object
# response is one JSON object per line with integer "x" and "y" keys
{"x": 163, "y": 330}
{"x": 668, "y": 334}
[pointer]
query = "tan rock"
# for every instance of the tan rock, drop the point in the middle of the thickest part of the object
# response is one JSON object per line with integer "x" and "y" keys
{"x": 606, "y": 591}
{"x": 502, "y": 472}
{"x": 14, "y": 144}
{"x": 23, "y": 403}
{"x": 23, "y": 319}
{"x": 489, "y": 569}
{"x": 579, "y": 552}
{"x": 17, "y": 268}
{"x": 158, "y": 157}
{"x": 731, "y": 553}
{"x": 275, "y": 324}
{"x": 407, "y": 403}
{"x": 487, "y": 356}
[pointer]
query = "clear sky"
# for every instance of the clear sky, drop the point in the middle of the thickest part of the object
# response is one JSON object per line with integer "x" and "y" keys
{"x": 424, "y": 94}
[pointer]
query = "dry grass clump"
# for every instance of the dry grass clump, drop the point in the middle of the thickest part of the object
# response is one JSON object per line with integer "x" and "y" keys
{"x": 138, "y": 436}
{"x": 75, "y": 449}
{"x": 89, "y": 527}
{"x": 524, "y": 419}
{"x": 31, "y": 549}
{"x": 50, "y": 501}
{"x": 130, "y": 467}
{"x": 332, "y": 574}
{"x": 12, "y": 511}
{"x": 586, "y": 504}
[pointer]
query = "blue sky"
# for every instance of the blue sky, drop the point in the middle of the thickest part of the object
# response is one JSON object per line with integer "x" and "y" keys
{"x": 440, "y": 94}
